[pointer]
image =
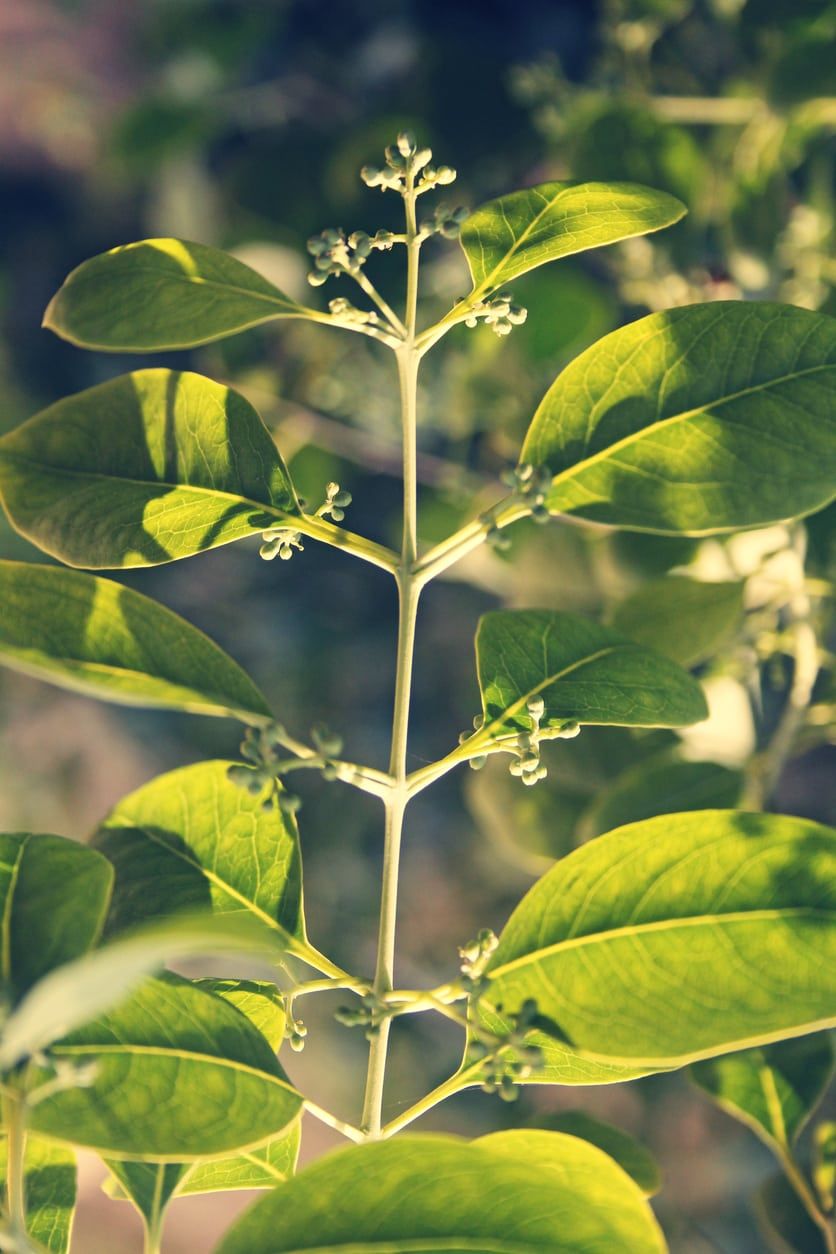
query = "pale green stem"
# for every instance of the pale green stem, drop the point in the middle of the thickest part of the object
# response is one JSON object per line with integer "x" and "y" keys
{"x": 462, "y": 1079}
{"x": 807, "y": 1198}
{"x": 383, "y": 305}
{"x": 468, "y": 538}
{"x": 408, "y": 594}
{"x": 339, "y": 1125}
{"x": 15, "y": 1121}
{"x": 326, "y": 532}
{"x": 154, "y": 1221}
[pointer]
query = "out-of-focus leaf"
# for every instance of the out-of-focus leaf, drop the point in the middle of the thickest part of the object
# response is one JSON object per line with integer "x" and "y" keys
{"x": 632, "y": 1157}
{"x": 686, "y": 619}
{"x": 50, "y": 1181}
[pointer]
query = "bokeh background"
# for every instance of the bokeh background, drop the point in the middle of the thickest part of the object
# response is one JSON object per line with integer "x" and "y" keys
{"x": 243, "y": 123}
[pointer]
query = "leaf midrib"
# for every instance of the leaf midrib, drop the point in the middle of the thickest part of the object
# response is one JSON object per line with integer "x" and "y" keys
{"x": 178, "y": 1054}
{"x": 674, "y": 419}
{"x": 169, "y": 277}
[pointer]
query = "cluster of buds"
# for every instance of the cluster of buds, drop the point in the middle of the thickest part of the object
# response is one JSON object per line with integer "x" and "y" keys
{"x": 527, "y": 766}
{"x": 280, "y": 542}
{"x": 369, "y": 1015}
{"x": 531, "y": 484}
{"x": 346, "y": 312}
{"x": 336, "y": 502}
{"x": 261, "y": 747}
{"x": 445, "y": 221}
{"x": 475, "y": 763}
{"x": 474, "y": 958}
{"x": 295, "y": 1031}
{"x": 335, "y": 254}
{"x": 497, "y": 312}
{"x": 406, "y": 161}
{"x": 510, "y": 1058}
{"x": 64, "y": 1073}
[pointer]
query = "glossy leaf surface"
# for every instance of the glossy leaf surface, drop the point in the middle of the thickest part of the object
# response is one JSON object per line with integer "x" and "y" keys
{"x": 686, "y": 619}
{"x": 180, "y": 1074}
{"x": 162, "y": 293}
{"x": 511, "y": 235}
{"x": 513, "y": 1193}
{"x": 774, "y": 1089}
{"x": 143, "y": 469}
{"x": 190, "y": 840}
{"x": 631, "y": 1156}
{"x": 50, "y": 1175}
{"x": 54, "y": 895}
{"x": 582, "y": 671}
{"x": 97, "y": 637}
{"x": 677, "y": 938}
{"x": 701, "y": 419}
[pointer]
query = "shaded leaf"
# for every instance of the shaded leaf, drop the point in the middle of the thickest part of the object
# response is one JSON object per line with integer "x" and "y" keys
{"x": 701, "y": 419}
{"x": 686, "y": 619}
{"x": 583, "y": 672}
{"x": 163, "y": 293}
{"x": 54, "y": 895}
{"x": 513, "y": 234}
{"x": 774, "y": 1089}
{"x": 520, "y": 1191}
{"x": 50, "y": 1192}
{"x": 661, "y": 785}
{"x": 180, "y": 1074}
{"x": 143, "y": 469}
{"x": 630, "y": 1155}
{"x": 97, "y": 637}
{"x": 675, "y": 939}
{"x": 785, "y": 1221}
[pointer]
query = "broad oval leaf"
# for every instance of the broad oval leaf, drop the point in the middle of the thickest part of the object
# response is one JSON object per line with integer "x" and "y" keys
{"x": 775, "y": 1089}
{"x": 630, "y": 1155}
{"x": 662, "y": 785}
{"x": 678, "y": 938}
{"x": 702, "y": 419}
{"x": 162, "y": 294}
{"x": 50, "y": 1181}
{"x": 524, "y": 1192}
{"x": 511, "y": 235}
{"x": 143, "y": 469}
{"x": 583, "y": 672}
{"x": 95, "y": 636}
{"x": 54, "y": 895}
{"x": 180, "y": 1074}
{"x": 190, "y": 840}
{"x": 686, "y": 619}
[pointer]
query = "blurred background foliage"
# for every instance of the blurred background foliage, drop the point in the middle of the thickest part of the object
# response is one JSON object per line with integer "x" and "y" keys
{"x": 243, "y": 124}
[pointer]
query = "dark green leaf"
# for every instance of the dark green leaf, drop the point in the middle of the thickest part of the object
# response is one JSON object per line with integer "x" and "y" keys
{"x": 785, "y": 1221}
{"x": 181, "y": 1074}
{"x": 163, "y": 293}
{"x": 774, "y": 1089}
{"x": 702, "y": 419}
{"x": 662, "y": 785}
{"x": 583, "y": 672}
{"x": 526, "y": 1192}
{"x": 513, "y": 234}
{"x": 54, "y": 895}
{"x": 97, "y": 637}
{"x": 631, "y": 1157}
{"x": 50, "y": 1192}
{"x": 686, "y": 619}
{"x": 675, "y": 939}
{"x": 146, "y": 468}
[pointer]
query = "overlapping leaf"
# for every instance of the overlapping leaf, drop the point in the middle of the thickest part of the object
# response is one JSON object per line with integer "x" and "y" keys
{"x": 526, "y": 1192}
{"x": 143, "y": 469}
{"x": 511, "y": 235}
{"x": 702, "y": 419}
{"x": 161, "y": 294}
{"x": 674, "y": 939}
{"x": 686, "y": 619}
{"x": 97, "y": 637}
{"x": 630, "y": 1155}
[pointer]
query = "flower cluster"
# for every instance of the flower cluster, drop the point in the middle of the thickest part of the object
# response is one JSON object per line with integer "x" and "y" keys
{"x": 500, "y": 313}
{"x": 280, "y": 542}
{"x": 405, "y": 163}
{"x": 445, "y": 221}
{"x": 508, "y": 1058}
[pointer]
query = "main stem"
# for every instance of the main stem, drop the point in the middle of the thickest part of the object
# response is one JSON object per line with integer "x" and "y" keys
{"x": 396, "y": 799}
{"x": 15, "y": 1120}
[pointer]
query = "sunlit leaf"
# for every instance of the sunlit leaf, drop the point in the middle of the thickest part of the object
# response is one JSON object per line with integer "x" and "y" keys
{"x": 143, "y": 469}
{"x": 701, "y": 419}
{"x": 163, "y": 293}
{"x": 526, "y": 1192}
{"x": 631, "y": 1157}
{"x": 686, "y": 619}
{"x": 97, "y": 637}
{"x": 50, "y": 1176}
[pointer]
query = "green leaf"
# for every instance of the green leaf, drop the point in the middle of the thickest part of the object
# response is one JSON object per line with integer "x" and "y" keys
{"x": 785, "y": 1221}
{"x": 774, "y": 1090}
{"x": 76, "y": 992}
{"x": 674, "y": 939}
{"x": 686, "y": 619}
{"x": 583, "y": 672}
{"x": 512, "y": 1193}
{"x": 180, "y": 1074}
{"x": 151, "y": 1186}
{"x": 701, "y": 419}
{"x": 54, "y": 895}
{"x": 95, "y": 636}
{"x": 50, "y": 1192}
{"x": 162, "y": 294}
{"x": 515, "y": 233}
{"x": 631, "y": 1157}
{"x": 662, "y": 785}
{"x": 146, "y": 468}
{"x": 193, "y": 840}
